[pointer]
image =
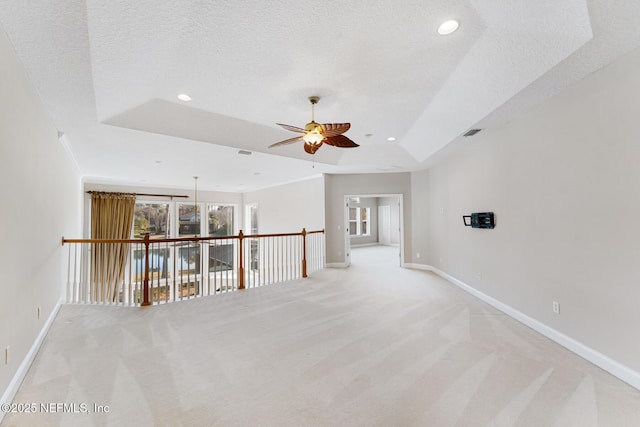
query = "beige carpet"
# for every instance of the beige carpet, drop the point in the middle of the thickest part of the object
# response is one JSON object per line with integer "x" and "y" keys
{"x": 372, "y": 345}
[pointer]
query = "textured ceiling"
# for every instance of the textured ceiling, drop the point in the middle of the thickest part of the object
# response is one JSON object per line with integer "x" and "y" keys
{"x": 109, "y": 73}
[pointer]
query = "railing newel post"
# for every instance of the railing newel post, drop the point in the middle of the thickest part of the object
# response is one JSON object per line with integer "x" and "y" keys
{"x": 145, "y": 287}
{"x": 240, "y": 264}
{"x": 304, "y": 252}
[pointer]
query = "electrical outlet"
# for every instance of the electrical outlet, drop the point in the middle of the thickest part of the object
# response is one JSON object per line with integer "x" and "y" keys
{"x": 479, "y": 276}
{"x": 441, "y": 260}
{"x": 556, "y": 307}
{"x": 6, "y": 355}
{"x": 441, "y": 211}
{"x": 417, "y": 254}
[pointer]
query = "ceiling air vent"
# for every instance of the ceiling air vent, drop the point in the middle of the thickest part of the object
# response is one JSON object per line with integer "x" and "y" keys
{"x": 245, "y": 152}
{"x": 472, "y": 132}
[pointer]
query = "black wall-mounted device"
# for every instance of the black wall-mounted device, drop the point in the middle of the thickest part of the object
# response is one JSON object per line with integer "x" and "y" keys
{"x": 479, "y": 220}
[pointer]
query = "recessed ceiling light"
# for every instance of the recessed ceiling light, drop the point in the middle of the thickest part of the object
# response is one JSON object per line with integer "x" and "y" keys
{"x": 448, "y": 27}
{"x": 391, "y": 138}
{"x": 184, "y": 97}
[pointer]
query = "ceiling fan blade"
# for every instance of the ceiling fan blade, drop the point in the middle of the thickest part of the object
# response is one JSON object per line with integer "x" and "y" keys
{"x": 291, "y": 128}
{"x": 311, "y": 148}
{"x": 340, "y": 141}
{"x": 334, "y": 129}
{"x": 287, "y": 141}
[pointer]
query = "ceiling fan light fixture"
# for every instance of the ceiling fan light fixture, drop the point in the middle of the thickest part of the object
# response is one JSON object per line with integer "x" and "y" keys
{"x": 313, "y": 133}
{"x": 448, "y": 27}
{"x": 313, "y": 138}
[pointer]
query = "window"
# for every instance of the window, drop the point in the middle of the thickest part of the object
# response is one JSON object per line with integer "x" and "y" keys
{"x": 251, "y": 218}
{"x": 220, "y": 223}
{"x": 359, "y": 222}
{"x": 188, "y": 220}
{"x": 251, "y": 215}
{"x": 188, "y": 255}
{"x": 178, "y": 268}
{"x": 152, "y": 218}
{"x": 220, "y": 220}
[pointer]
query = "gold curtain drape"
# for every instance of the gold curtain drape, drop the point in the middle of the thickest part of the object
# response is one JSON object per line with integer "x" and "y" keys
{"x": 111, "y": 218}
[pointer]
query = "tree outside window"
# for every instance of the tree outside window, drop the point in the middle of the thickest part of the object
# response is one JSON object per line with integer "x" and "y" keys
{"x": 152, "y": 218}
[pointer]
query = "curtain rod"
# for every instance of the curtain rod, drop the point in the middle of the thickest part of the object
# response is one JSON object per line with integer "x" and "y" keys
{"x": 142, "y": 194}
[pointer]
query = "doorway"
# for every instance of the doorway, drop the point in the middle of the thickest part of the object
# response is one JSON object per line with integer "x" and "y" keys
{"x": 374, "y": 221}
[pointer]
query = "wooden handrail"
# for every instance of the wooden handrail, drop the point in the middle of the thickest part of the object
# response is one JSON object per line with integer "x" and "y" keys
{"x": 185, "y": 239}
{"x": 315, "y": 231}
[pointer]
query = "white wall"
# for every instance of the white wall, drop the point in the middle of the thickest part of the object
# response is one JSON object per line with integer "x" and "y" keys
{"x": 564, "y": 183}
{"x": 290, "y": 207}
{"x": 421, "y": 212}
{"x": 40, "y": 189}
{"x": 338, "y": 186}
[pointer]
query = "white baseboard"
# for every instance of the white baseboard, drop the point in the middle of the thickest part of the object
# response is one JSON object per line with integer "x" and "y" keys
{"x": 415, "y": 266}
{"x": 615, "y": 368}
{"x": 337, "y": 265}
{"x": 17, "y": 379}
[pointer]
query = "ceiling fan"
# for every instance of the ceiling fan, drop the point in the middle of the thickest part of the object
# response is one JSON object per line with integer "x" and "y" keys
{"x": 316, "y": 134}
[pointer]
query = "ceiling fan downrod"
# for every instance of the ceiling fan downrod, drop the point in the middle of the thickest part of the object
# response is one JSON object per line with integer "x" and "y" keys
{"x": 313, "y": 100}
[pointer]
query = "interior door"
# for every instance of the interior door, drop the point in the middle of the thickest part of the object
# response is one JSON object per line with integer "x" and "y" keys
{"x": 384, "y": 225}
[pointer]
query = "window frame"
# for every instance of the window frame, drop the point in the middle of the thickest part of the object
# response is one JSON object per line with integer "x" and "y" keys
{"x": 359, "y": 221}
